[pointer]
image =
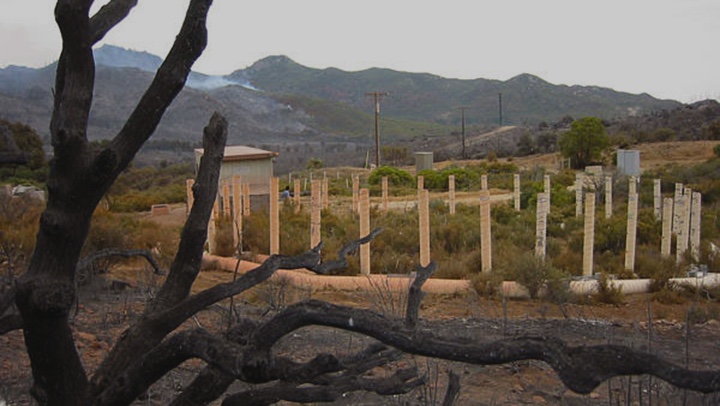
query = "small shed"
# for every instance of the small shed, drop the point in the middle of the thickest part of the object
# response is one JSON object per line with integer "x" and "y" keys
{"x": 628, "y": 162}
{"x": 253, "y": 164}
{"x": 423, "y": 161}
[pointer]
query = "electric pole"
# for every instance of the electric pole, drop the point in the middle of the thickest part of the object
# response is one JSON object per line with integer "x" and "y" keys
{"x": 376, "y": 99}
{"x": 462, "y": 114}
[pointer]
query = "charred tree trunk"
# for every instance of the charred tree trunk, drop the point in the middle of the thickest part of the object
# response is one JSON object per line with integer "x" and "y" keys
{"x": 79, "y": 177}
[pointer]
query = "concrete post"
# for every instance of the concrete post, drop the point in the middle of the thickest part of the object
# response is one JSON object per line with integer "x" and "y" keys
{"x": 364, "y": 230}
{"x": 632, "y": 186}
{"x": 485, "y": 232}
{"x": 237, "y": 213}
{"x": 355, "y": 193}
{"x": 683, "y": 236}
{"x": 226, "y": 199}
{"x": 246, "y": 199}
{"x": 424, "y": 224}
{"x": 631, "y": 233}
{"x": 579, "y": 183}
{"x": 297, "y": 192}
{"x": 483, "y": 182}
{"x": 315, "y": 213}
{"x": 589, "y": 234}
{"x": 667, "y": 223}
{"x": 212, "y": 229}
{"x": 680, "y": 239}
{"x": 695, "y": 226}
{"x": 547, "y": 189}
{"x": 451, "y": 193}
{"x": 657, "y": 199}
{"x": 608, "y": 196}
{"x": 420, "y": 183}
{"x": 190, "y": 196}
{"x": 541, "y": 226}
{"x": 516, "y": 191}
{"x": 385, "y": 193}
{"x": 676, "y": 200}
{"x": 325, "y": 193}
{"x": 274, "y": 216}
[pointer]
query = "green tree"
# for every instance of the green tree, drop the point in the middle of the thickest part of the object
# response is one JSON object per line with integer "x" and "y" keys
{"x": 584, "y": 142}
{"x": 27, "y": 141}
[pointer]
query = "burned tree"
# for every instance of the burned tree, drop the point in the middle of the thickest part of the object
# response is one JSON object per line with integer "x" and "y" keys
{"x": 155, "y": 344}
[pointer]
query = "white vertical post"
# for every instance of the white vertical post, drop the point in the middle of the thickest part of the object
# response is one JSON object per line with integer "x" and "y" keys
{"x": 237, "y": 213}
{"x": 315, "y": 213}
{"x": 485, "y": 232}
{"x": 451, "y": 193}
{"x": 579, "y": 183}
{"x": 274, "y": 216}
{"x": 608, "y": 196}
{"x": 667, "y": 223}
{"x": 695, "y": 225}
{"x": 424, "y": 224}
{"x": 657, "y": 199}
{"x": 516, "y": 191}
{"x": 547, "y": 189}
{"x": 541, "y": 226}
{"x": 676, "y": 201}
{"x": 631, "y": 232}
{"x": 385, "y": 193}
{"x": 364, "y": 231}
{"x": 589, "y": 234}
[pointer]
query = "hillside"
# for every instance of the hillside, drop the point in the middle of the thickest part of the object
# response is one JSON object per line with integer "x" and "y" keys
{"x": 420, "y": 96}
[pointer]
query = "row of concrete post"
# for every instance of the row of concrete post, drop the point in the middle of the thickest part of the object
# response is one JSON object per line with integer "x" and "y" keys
{"x": 680, "y": 216}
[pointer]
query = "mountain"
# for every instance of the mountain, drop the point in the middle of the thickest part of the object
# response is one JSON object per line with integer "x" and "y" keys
{"x": 304, "y": 112}
{"x": 425, "y": 97}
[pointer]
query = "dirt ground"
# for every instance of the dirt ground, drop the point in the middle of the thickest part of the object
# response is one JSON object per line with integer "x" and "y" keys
{"x": 102, "y": 314}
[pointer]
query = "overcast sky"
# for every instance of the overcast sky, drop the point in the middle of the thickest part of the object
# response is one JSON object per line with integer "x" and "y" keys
{"x": 667, "y": 48}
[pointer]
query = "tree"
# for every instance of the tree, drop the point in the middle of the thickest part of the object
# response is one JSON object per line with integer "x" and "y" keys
{"x": 584, "y": 142}
{"x": 155, "y": 344}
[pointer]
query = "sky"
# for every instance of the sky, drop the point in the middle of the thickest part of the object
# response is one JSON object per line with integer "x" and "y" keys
{"x": 667, "y": 48}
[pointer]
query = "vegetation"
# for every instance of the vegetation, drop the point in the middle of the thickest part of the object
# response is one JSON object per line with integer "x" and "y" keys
{"x": 30, "y": 145}
{"x": 585, "y": 142}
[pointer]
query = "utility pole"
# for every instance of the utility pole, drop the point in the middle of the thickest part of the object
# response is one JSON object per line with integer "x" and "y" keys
{"x": 462, "y": 114}
{"x": 376, "y": 99}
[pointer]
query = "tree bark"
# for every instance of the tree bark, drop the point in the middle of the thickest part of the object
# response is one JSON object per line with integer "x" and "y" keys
{"x": 79, "y": 178}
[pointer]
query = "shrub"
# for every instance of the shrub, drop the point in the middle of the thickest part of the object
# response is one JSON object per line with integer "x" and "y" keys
{"x": 396, "y": 177}
{"x": 607, "y": 292}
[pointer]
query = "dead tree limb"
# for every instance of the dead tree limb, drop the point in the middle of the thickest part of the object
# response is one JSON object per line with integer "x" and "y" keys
{"x": 581, "y": 369}
{"x": 85, "y": 263}
{"x": 416, "y": 295}
{"x": 341, "y": 261}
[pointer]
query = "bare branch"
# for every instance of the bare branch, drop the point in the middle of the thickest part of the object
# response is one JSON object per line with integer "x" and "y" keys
{"x": 147, "y": 333}
{"x": 186, "y": 264}
{"x": 87, "y": 261}
{"x": 341, "y": 261}
{"x": 402, "y": 381}
{"x": 453, "y": 389}
{"x": 416, "y": 295}
{"x": 581, "y": 369}
{"x": 136, "y": 378}
{"x": 108, "y": 17}
{"x": 168, "y": 82}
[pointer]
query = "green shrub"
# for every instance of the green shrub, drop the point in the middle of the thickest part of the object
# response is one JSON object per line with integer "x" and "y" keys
{"x": 396, "y": 177}
{"x": 607, "y": 292}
